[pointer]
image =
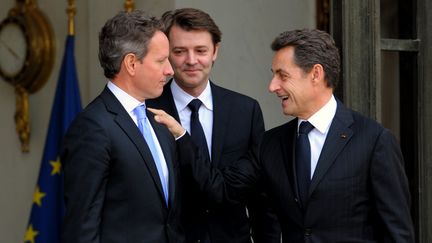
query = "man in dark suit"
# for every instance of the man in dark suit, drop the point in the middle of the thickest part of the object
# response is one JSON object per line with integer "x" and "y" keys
{"x": 231, "y": 123}
{"x": 341, "y": 181}
{"x": 120, "y": 183}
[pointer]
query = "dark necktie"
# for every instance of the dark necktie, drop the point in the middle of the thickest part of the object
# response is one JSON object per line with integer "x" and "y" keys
{"x": 303, "y": 161}
{"x": 197, "y": 132}
{"x": 144, "y": 127}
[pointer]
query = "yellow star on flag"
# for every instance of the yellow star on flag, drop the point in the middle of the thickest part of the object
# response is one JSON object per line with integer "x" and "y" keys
{"x": 37, "y": 197}
{"x": 56, "y": 167}
{"x": 30, "y": 234}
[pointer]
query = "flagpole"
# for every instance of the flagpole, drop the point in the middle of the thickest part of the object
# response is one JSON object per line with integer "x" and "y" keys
{"x": 48, "y": 209}
{"x": 71, "y": 11}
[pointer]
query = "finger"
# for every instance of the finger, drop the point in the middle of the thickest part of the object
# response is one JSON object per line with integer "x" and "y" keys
{"x": 161, "y": 119}
{"x": 156, "y": 111}
{"x": 160, "y": 115}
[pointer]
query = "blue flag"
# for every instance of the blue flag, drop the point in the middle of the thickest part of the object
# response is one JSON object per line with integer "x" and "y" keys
{"x": 48, "y": 207}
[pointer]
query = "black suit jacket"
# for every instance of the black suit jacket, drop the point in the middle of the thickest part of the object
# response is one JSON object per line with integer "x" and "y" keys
{"x": 112, "y": 189}
{"x": 237, "y": 125}
{"x": 358, "y": 193}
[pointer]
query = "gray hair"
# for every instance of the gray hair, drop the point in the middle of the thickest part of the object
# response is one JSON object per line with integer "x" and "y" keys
{"x": 127, "y": 32}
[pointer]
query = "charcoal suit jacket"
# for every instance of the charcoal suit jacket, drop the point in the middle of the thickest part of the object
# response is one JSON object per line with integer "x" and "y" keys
{"x": 358, "y": 192}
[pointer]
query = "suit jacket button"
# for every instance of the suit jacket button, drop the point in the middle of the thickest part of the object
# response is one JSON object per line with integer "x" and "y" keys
{"x": 296, "y": 200}
{"x": 207, "y": 211}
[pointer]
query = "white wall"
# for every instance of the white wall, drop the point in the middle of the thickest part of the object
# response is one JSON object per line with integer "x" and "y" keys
{"x": 243, "y": 65}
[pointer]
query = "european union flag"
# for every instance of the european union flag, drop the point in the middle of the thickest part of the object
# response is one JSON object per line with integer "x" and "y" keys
{"x": 48, "y": 207}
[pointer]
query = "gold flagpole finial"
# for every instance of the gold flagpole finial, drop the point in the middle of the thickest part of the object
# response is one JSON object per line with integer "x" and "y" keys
{"x": 129, "y": 5}
{"x": 71, "y": 11}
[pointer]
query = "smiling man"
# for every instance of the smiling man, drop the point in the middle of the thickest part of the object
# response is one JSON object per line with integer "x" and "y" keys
{"x": 347, "y": 173}
{"x": 224, "y": 124}
{"x": 333, "y": 174}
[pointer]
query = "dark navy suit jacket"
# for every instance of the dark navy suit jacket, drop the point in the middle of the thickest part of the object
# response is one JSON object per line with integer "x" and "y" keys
{"x": 113, "y": 193}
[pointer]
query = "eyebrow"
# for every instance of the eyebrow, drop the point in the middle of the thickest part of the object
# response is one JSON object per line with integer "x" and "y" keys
{"x": 195, "y": 47}
{"x": 279, "y": 70}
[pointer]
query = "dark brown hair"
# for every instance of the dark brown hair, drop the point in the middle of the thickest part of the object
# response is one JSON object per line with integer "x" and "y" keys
{"x": 312, "y": 47}
{"x": 191, "y": 19}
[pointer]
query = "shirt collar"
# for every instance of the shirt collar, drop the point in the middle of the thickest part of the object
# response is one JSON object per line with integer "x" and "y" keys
{"x": 322, "y": 119}
{"x": 182, "y": 99}
{"x": 127, "y": 101}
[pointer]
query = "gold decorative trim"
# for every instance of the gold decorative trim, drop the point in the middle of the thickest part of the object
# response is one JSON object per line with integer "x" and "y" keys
{"x": 71, "y": 11}
{"x": 129, "y": 5}
{"x": 38, "y": 64}
{"x": 22, "y": 118}
{"x": 42, "y": 40}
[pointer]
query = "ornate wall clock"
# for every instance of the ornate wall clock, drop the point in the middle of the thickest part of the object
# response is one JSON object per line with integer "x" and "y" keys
{"x": 26, "y": 57}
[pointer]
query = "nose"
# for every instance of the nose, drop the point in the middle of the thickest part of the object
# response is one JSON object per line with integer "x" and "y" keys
{"x": 168, "y": 70}
{"x": 191, "y": 58}
{"x": 274, "y": 84}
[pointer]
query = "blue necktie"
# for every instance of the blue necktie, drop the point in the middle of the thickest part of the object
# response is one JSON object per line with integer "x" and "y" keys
{"x": 197, "y": 132}
{"x": 145, "y": 129}
{"x": 303, "y": 161}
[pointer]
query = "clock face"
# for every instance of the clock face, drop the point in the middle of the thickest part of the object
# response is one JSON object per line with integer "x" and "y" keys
{"x": 13, "y": 49}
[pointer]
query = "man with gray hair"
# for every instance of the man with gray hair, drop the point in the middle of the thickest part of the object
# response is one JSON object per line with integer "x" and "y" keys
{"x": 119, "y": 175}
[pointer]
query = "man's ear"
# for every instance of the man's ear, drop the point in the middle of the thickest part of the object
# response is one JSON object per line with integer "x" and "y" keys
{"x": 129, "y": 63}
{"x": 216, "y": 51}
{"x": 317, "y": 73}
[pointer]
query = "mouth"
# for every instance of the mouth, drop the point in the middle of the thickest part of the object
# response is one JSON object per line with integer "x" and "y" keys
{"x": 191, "y": 70}
{"x": 283, "y": 97}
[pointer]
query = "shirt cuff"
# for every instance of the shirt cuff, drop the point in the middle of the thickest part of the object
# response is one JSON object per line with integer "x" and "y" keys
{"x": 177, "y": 138}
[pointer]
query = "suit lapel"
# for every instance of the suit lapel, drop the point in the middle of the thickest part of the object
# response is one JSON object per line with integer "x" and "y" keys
{"x": 288, "y": 148}
{"x": 126, "y": 123}
{"x": 221, "y": 113}
{"x": 288, "y": 151}
{"x": 338, "y": 136}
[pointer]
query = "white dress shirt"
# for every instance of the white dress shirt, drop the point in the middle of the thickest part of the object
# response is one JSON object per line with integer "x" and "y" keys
{"x": 182, "y": 99}
{"x": 130, "y": 103}
{"x": 321, "y": 121}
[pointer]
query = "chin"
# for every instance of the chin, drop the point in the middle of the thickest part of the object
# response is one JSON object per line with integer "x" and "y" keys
{"x": 159, "y": 94}
{"x": 287, "y": 113}
{"x": 155, "y": 95}
{"x": 192, "y": 80}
